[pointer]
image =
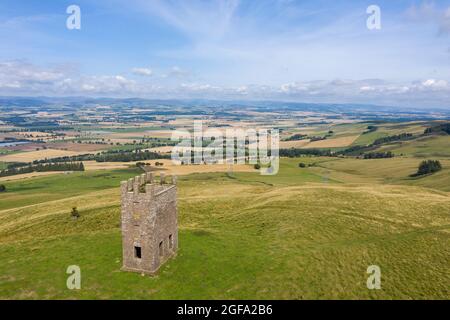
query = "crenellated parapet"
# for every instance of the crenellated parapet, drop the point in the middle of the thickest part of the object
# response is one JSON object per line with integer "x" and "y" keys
{"x": 147, "y": 183}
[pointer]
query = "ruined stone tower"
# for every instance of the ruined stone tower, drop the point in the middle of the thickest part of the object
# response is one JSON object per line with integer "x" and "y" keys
{"x": 149, "y": 223}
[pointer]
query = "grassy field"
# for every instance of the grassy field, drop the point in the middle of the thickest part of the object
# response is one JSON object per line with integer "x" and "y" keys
{"x": 388, "y": 171}
{"x": 389, "y": 129}
{"x": 37, "y": 190}
{"x": 423, "y": 147}
{"x": 37, "y": 155}
{"x": 303, "y": 234}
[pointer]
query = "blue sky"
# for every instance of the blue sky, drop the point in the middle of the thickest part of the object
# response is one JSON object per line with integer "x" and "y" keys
{"x": 309, "y": 51}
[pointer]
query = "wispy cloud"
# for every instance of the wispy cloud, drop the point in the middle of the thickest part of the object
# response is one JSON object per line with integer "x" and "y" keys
{"x": 195, "y": 18}
{"x": 429, "y": 12}
{"x": 142, "y": 72}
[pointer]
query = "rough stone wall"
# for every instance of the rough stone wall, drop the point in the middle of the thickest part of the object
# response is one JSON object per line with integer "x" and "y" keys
{"x": 149, "y": 222}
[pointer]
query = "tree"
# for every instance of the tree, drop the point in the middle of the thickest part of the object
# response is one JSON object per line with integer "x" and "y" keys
{"x": 2, "y": 188}
{"x": 75, "y": 214}
{"x": 428, "y": 167}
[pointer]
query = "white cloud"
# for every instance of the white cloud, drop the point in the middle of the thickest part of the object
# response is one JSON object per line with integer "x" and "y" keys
{"x": 177, "y": 72}
{"x": 142, "y": 72}
{"x": 367, "y": 89}
{"x": 19, "y": 71}
{"x": 22, "y": 78}
{"x": 435, "y": 84}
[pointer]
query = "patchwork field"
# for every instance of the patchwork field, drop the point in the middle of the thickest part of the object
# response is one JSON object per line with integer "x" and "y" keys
{"x": 293, "y": 144}
{"x": 303, "y": 234}
{"x": 169, "y": 167}
{"x": 332, "y": 143}
{"x": 78, "y": 147}
{"x": 37, "y": 155}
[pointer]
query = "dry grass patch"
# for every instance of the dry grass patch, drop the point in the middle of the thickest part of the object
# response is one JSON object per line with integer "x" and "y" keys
{"x": 169, "y": 167}
{"x": 163, "y": 149}
{"x": 293, "y": 144}
{"x": 38, "y": 155}
{"x": 181, "y": 170}
{"x": 333, "y": 143}
{"x": 93, "y": 165}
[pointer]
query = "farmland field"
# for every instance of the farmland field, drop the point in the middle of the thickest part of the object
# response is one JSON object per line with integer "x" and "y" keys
{"x": 37, "y": 155}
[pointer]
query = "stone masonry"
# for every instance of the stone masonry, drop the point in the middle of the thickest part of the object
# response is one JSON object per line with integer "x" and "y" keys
{"x": 149, "y": 222}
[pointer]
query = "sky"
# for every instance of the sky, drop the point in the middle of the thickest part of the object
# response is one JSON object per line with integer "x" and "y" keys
{"x": 287, "y": 50}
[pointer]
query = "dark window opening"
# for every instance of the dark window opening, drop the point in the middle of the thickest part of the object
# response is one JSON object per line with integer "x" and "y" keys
{"x": 137, "y": 252}
{"x": 161, "y": 249}
{"x": 170, "y": 241}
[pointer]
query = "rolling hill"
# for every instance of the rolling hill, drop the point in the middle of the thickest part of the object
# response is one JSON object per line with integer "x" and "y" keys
{"x": 303, "y": 234}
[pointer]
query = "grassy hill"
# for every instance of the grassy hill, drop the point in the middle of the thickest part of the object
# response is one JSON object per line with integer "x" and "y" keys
{"x": 437, "y": 146}
{"x": 303, "y": 234}
{"x": 36, "y": 190}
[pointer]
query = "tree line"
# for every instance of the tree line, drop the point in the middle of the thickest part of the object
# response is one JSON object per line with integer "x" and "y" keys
{"x": 109, "y": 156}
{"x": 397, "y": 137}
{"x": 442, "y": 128}
{"x": 378, "y": 155}
{"x": 295, "y": 153}
{"x": 65, "y": 166}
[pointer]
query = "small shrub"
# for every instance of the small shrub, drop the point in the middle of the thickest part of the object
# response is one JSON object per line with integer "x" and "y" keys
{"x": 257, "y": 166}
{"x": 302, "y": 165}
{"x": 75, "y": 214}
{"x": 2, "y": 188}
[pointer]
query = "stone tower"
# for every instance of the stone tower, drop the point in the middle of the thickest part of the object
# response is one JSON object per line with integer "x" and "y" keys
{"x": 149, "y": 223}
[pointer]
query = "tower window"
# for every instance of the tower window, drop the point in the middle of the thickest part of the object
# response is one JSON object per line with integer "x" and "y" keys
{"x": 170, "y": 241}
{"x": 137, "y": 252}
{"x": 161, "y": 248}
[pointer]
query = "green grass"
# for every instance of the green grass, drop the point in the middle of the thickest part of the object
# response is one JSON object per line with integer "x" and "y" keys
{"x": 289, "y": 174}
{"x": 368, "y": 138}
{"x": 423, "y": 147}
{"x": 37, "y": 190}
{"x": 389, "y": 171}
{"x": 4, "y": 152}
{"x": 389, "y": 129}
{"x": 242, "y": 236}
{"x": 3, "y": 165}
